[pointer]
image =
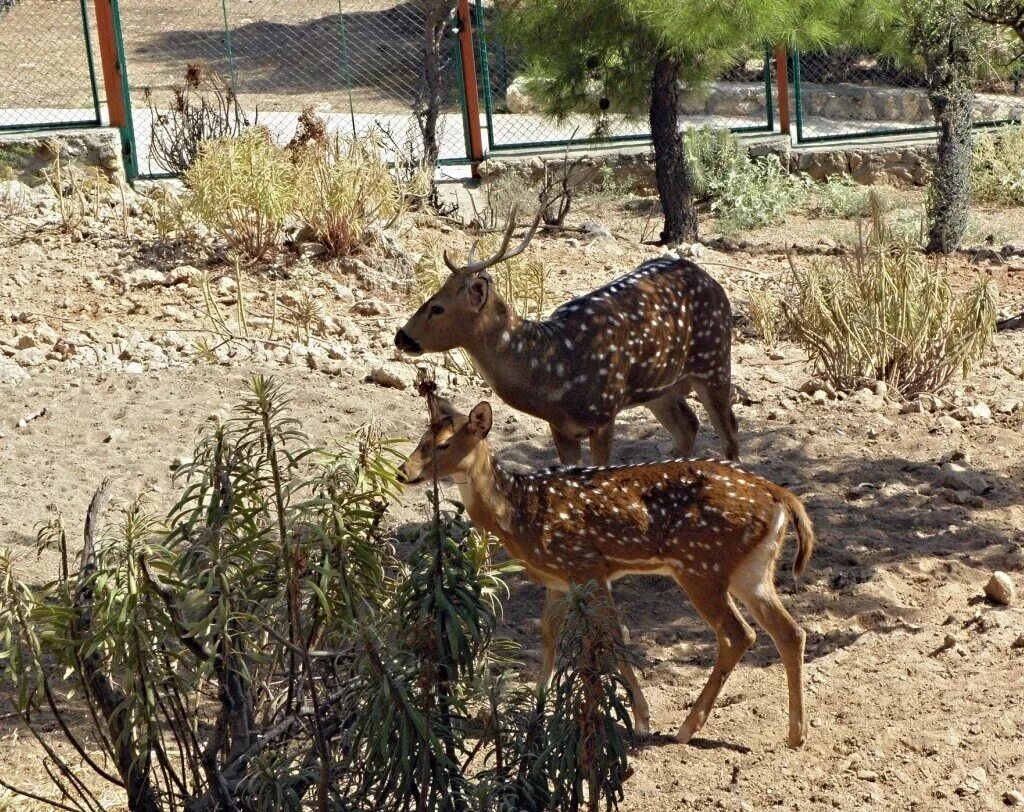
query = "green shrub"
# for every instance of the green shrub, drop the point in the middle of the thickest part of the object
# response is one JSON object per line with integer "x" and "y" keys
{"x": 261, "y": 647}
{"x": 743, "y": 193}
{"x": 998, "y": 169}
{"x": 243, "y": 189}
{"x": 840, "y": 197}
{"x": 887, "y": 313}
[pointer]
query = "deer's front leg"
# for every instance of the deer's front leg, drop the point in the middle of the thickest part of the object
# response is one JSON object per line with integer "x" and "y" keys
{"x": 551, "y": 618}
{"x": 570, "y": 449}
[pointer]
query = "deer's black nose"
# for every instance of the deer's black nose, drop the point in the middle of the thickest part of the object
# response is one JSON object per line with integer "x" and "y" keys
{"x": 405, "y": 343}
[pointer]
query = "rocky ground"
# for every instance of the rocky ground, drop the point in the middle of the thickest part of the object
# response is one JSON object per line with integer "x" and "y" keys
{"x": 115, "y": 345}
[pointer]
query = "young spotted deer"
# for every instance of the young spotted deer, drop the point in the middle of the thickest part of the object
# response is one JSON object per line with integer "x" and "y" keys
{"x": 650, "y": 337}
{"x": 713, "y": 528}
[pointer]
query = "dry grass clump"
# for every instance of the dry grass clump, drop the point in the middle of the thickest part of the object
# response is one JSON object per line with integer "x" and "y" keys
{"x": 248, "y": 188}
{"x": 345, "y": 186}
{"x": 887, "y": 313}
{"x": 243, "y": 189}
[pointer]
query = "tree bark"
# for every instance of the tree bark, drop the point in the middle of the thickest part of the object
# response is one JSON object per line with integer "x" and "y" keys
{"x": 428, "y": 102}
{"x": 949, "y": 66}
{"x": 672, "y": 169}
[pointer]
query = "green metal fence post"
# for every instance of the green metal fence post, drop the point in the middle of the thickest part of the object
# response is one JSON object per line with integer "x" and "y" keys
{"x": 768, "y": 101}
{"x": 485, "y": 70}
{"x": 227, "y": 45}
{"x": 799, "y": 101}
{"x": 89, "y": 60}
{"x": 461, "y": 84}
{"x": 348, "y": 66}
{"x": 128, "y": 130}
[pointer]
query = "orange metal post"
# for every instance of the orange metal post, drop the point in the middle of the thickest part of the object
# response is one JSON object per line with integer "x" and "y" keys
{"x": 476, "y": 143}
{"x": 782, "y": 76}
{"x": 111, "y": 64}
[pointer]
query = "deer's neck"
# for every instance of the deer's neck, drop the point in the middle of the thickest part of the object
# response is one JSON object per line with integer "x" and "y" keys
{"x": 504, "y": 346}
{"x": 485, "y": 493}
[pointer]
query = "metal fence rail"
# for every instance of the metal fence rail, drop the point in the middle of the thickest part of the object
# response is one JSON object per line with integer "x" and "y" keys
{"x": 47, "y": 79}
{"x": 846, "y": 94}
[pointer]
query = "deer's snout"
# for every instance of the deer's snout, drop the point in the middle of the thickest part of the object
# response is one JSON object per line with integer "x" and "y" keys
{"x": 406, "y": 343}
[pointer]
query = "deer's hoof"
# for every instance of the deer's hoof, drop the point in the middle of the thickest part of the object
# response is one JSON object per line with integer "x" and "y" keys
{"x": 797, "y": 737}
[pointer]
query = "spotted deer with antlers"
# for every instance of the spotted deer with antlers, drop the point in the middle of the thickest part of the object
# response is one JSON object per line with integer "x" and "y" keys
{"x": 716, "y": 530}
{"x": 650, "y": 337}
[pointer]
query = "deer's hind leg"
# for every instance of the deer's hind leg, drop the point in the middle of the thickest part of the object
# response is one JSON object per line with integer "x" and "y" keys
{"x": 754, "y": 584}
{"x": 679, "y": 420}
{"x": 569, "y": 448}
{"x": 716, "y": 396}
{"x": 601, "y": 444}
{"x": 712, "y": 602}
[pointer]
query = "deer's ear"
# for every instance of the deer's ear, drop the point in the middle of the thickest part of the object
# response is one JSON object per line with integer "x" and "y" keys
{"x": 477, "y": 292}
{"x": 480, "y": 420}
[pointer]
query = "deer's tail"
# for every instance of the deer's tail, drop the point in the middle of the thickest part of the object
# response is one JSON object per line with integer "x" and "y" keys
{"x": 801, "y": 525}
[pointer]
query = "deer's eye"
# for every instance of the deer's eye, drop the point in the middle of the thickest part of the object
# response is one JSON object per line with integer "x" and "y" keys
{"x": 442, "y": 446}
{"x": 436, "y": 310}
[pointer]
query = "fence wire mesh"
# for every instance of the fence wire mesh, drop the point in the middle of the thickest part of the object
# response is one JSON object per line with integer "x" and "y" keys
{"x": 46, "y": 80}
{"x": 356, "y": 62}
{"x": 846, "y": 93}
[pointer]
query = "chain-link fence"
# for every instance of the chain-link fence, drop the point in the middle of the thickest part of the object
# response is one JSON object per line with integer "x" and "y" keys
{"x": 844, "y": 93}
{"x": 356, "y": 62}
{"x": 46, "y": 68}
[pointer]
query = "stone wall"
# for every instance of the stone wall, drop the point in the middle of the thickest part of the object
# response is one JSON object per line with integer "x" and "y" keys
{"x": 26, "y": 154}
{"x": 837, "y": 102}
{"x": 902, "y": 164}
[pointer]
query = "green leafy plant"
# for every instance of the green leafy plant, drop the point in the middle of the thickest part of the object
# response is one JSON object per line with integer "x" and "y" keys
{"x": 261, "y": 647}
{"x": 998, "y": 167}
{"x": 743, "y": 193}
{"x": 840, "y": 197}
{"x": 887, "y": 313}
{"x": 590, "y": 731}
{"x": 243, "y": 189}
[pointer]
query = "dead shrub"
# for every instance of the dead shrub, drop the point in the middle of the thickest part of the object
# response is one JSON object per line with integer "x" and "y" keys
{"x": 203, "y": 108}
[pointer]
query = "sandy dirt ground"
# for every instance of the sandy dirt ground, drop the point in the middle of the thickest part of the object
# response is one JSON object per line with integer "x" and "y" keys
{"x": 896, "y": 723}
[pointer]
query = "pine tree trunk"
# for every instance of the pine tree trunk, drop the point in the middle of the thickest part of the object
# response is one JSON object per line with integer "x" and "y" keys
{"x": 672, "y": 169}
{"x": 949, "y": 66}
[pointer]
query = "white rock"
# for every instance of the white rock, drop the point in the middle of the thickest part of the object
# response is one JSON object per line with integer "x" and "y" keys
{"x": 10, "y": 372}
{"x": 1001, "y": 589}
{"x": 592, "y": 228}
{"x": 958, "y": 478}
{"x": 1009, "y": 407}
{"x": 134, "y": 368}
{"x": 145, "y": 278}
{"x": 517, "y": 99}
{"x": 395, "y": 376}
{"x": 32, "y": 357}
{"x": 978, "y": 413}
{"x": 819, "y": 398}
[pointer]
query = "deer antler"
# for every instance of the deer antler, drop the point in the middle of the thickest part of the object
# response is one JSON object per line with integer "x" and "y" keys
{"x": 474, "y": 267}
